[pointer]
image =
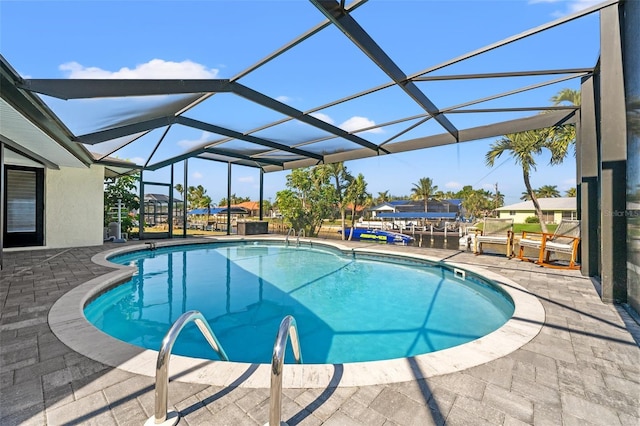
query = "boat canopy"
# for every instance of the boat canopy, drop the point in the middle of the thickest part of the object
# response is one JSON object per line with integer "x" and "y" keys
{"x": 418, "y": 215}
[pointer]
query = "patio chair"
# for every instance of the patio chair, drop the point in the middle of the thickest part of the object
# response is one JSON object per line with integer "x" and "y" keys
{"x": 495, "y": 231}
{"x": 565, "y": 240}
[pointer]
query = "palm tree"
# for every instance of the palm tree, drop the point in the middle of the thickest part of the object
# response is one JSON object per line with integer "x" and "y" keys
{"x": 548, "y": 191}
{"x": 563, "y": 136}
{"x": 525, "y": 195}
{"x": 523, "y": 147}
{"x": 180, "y": 190}
{"x": 383, "y": 197}
{"x": 567, "y": 95}
{"x": 356, "y": 195}
{"x": 423, "y": 190}
{"x": 571, "y": 192}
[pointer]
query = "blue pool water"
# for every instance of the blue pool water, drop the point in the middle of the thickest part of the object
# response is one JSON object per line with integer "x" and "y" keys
{"x": 348, "y": 308}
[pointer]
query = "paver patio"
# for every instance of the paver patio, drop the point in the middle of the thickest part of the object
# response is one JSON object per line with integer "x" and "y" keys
{"x": 583, "y": 368}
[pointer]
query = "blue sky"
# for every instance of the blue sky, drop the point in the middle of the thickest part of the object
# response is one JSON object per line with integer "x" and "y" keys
{"x": 219, "y": 39}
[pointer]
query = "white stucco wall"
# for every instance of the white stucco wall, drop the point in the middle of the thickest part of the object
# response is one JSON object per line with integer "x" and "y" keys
{"x": 73, "y": 207}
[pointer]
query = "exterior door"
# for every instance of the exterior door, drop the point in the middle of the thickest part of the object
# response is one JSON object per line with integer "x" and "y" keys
{"x": 23, "y": 206}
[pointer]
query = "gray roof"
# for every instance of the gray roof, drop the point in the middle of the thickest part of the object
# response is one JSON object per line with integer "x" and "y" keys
{"x": 559, "y": 203}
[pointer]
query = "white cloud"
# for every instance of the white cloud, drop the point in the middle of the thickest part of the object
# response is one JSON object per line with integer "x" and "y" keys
{"x": 453, "y": 185}
{"x": 154, "y": 69}
{"x": 572, "y": 6}
{"x": 323, "y": 117}
{"x": 356, "y": 123}
{"x": 191, "y": 143}
{"x": 138, "y": 160}
{"x": 283, "y": 99}
{"x": 246, "y": 179}
{"x": 197, "y": 175}
{"x": 577, "y": 5}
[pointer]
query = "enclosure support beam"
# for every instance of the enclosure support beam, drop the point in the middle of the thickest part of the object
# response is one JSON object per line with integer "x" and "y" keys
{"x": 229, "y": 198}
{"x": 170, "y": 206}
{"x": 613, "y": 165}
{"x": 184, "y": 198}
{"x": 261, "y": 192}
{"x": 141, "y": 211}
{"x": 587, "y": 179}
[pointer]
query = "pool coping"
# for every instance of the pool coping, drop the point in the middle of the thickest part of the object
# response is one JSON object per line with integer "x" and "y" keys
{"x": 69, "y": 324}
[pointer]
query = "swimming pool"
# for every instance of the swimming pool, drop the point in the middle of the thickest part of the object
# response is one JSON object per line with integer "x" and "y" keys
{"x": 350, "y": 307}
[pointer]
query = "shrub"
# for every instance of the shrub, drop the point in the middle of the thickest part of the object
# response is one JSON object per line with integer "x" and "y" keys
{"x": 532, "y": 219}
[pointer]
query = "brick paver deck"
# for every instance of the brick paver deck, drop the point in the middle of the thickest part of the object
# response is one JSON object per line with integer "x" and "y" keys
{"x": 583, "y": 368}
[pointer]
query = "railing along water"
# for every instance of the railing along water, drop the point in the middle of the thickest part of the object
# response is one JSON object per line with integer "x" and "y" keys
{"x": 287, "y": 327}
{"x": 161, "y": 417}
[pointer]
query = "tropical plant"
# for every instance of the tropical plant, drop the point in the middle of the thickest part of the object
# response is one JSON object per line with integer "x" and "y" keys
{"x": 423, "y": 190}
{"x": 571, "y": 192}
{"x": 383, "y": 197}
{"x": 234, "y": 200}
{"x": 523, "y": 148}
{"x": 198, "y": 199}
{"x": 309, "y": 199}
{"x": 341, "y": 178}
{"x": 476, "y": 202}
{"x": 122, "y": 188}
{"x": 356, "y": 195}
{"x": 548, "y": 191}
{"x": 563, "y": 137}
{"x": 571, "y": 96}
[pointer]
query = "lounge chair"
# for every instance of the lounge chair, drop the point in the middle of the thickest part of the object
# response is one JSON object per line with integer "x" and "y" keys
{"x": 495, "y": 231}
{"x": 565, "y": 240}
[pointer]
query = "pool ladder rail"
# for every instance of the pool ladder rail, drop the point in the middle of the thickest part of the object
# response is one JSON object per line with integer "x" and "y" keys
{"x": 287, "y": 328}
{"x": 161, "y": 416}
{"x": 292, "y": 231}
{"x": 289, "y": 233}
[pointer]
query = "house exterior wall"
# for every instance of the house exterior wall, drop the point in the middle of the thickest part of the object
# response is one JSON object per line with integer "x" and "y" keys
{"x": 521, "y": 215}
{"x": 74, "y": 207}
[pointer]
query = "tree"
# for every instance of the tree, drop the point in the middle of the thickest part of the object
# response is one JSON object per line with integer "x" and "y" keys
{"x": 524, "y": 147}
{"x": 310, "y": 198}
{"x": 548, "y": 191}
{"x": 198, "y": 199}
{"x": 356, "y": 195}
{"x": 180, "y": 189}
{"x": 571, "y": 192}
{"x": 562, "y": 137}
{"x": 337, "y": 172}
{"x": 476, "y": 202}
{"x": 571, "y": 96}
{"x": 383, "y": 197}
{"x": 423, "y": 190}
{"x": 122, "y": 188}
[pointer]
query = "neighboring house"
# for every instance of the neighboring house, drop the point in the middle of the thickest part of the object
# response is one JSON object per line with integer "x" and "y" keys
{"x": 156, "y": 209}
{"x": 553, "y": 210}
{"x": 253, "y": 207}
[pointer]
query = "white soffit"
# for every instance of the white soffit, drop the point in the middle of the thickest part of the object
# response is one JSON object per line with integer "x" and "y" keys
{"x": 16, "y": 128}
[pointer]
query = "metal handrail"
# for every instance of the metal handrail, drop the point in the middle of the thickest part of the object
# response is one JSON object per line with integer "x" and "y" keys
{"x": 291, "y": 231}
{"x": 300, "y": 233}
{"x": 162, "y": 365}
{"x": 287, "y": 327}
